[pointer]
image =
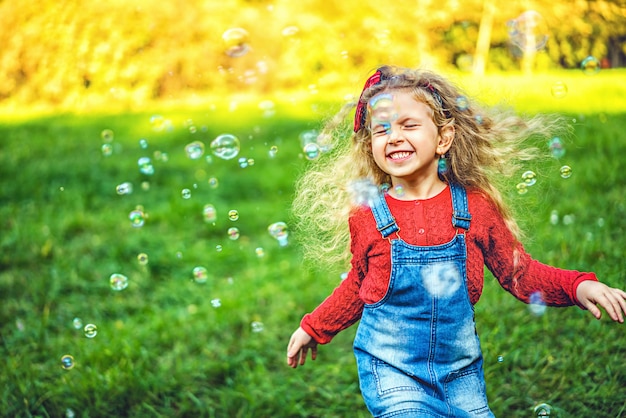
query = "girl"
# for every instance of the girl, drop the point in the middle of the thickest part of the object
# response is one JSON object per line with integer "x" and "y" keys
{"x": 419, "y": 246}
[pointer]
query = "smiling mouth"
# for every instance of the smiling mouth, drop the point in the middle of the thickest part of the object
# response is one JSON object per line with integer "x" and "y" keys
{"x": 400, "y": 155}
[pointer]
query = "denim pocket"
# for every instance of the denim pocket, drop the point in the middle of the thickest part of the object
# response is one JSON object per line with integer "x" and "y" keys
{"x": 389, "y": 379}
{"x": 465, "y": 389}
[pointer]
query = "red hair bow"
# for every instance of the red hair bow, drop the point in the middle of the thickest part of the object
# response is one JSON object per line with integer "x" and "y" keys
{"x": 359, "y": 116}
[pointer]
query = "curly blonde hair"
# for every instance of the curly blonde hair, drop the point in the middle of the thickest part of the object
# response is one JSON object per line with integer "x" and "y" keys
{"x": 489, "y": 146}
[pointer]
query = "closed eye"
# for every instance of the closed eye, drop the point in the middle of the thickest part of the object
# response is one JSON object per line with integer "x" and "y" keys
{"x": 380, "y": 130}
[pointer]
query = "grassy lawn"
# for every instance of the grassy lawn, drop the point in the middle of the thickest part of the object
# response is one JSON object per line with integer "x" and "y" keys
{"x": 172, "y": 346}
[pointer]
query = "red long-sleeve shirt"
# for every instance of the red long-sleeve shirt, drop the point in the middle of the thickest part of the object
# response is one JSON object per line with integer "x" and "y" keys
{"x": 426, "y": 223}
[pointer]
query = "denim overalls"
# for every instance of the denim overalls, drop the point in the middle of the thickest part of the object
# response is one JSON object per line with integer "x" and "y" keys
{"x": 417, "y": 349}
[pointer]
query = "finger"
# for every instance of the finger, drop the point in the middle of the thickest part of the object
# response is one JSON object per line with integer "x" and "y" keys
{"x": 622, "y": 301}
{"x": 617, "y": 304}
{"x": 292, "y": 348}
{"x": 612, "y": 303}
{"x": 293, "y": 360}
{"x": 303, "y": 356}
{"x": 313, "y": 353}
{"x": 593, "y": 309}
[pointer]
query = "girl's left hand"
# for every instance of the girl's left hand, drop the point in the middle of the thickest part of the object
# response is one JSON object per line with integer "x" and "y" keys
{"x": 591, "y": 293}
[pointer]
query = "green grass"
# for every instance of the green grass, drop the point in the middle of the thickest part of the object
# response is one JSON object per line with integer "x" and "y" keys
{"x": 164, "y": 350}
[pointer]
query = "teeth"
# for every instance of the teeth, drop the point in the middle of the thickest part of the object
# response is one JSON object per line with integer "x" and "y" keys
{"x": 399, "y": 155}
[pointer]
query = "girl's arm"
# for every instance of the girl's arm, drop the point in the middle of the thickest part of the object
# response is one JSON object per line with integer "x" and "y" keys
{"x": 340, "y": 310}
{"x": 523, "y": 276}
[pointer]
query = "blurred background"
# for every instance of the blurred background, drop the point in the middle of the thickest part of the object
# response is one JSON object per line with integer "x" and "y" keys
{"x": 79, "y": 53}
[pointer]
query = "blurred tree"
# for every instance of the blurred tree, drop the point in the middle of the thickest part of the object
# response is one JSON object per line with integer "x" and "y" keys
{"x": 79, "y": 53}
{"x": 484, "y": 37}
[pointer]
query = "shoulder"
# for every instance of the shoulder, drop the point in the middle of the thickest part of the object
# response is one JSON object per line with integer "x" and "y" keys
{"x": 361, "y": 217}
{"x": 481, "y": 206}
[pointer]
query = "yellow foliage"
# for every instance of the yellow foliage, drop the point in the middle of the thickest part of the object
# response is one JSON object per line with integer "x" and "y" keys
{"x": 80, "y": 53}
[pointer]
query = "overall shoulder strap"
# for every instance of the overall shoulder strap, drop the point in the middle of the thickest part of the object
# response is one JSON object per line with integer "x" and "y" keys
{"x": 385, "y": 222}
{"x": 460, "y": 213}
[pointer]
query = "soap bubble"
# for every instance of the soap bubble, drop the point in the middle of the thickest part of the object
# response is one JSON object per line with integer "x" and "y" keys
{"x": 559, "y": 90}
{"x": 556, "y": 147}
{"x": 233, "y": 215}
{"x": 161, "y": 156}
{"x": 216, "y": 303}
{"x": 185, "y": 193}
{"x": 145, "y": 166}
{"x": 554, "y": 217}
{"x": 213, "y": 183}
{"x": 118, "y": 281}
{"x": 363, "y": 192}
{"x": 200, "y": 274}
{"x": 67, "y": 362}
{"x": 500, "y": 359}
{"x": 107, "y": 135}
{"x": 90, "y": 330}
{"x": 529, "y": 177}
{"x": 142, "y": 258}
{"x": 313, "y": 143}
{"x": 137, "y": 217}
{"x": 382, "y": 109}
{"x": 225, "y": 146}
{"x": 268, "y": 108}
{"x": 107, "y": 150}
{"x": 279, "y": 231}
{"x": 542, "y": 410}
{"x": 462, "y": 103}
{"x": 194, "y": 150}
{"x": 522, "y": 188}
{"x": 158, "y": 122}
{"x": 311, "y": 151}
{"x": 233, "y": 233}
{"x": 236, "y": 42}
{"x": 590, "y": 65}
{"x": 566, "y": 171}
{"x": 243, "y": 162}
{"x": 143, "y": 143}
{"x": 273, "y": 151}
{"x": 77, "y": 323}
{"x": 124, "y": 188}
{"x": 399, "y": 191}
{"x": 528, "y": 31}
{"x": 256, "y": 326}
{"x": 260, "y": 252}
{"x": 536, "y": 304}
{"x": 209, "y": 213}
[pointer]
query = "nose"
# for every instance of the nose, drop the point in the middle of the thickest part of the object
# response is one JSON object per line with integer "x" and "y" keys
{"x": 395, "y": 135}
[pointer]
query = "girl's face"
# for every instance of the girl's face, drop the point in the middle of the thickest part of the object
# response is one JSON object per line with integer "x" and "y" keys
{"x": 407, "y": 144}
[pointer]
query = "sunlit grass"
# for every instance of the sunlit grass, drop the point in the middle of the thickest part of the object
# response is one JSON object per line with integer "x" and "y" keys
{"x": 163, "y": 346}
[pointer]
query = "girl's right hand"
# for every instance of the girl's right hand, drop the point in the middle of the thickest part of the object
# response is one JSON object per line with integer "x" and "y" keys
{"x": 299, "y": 345}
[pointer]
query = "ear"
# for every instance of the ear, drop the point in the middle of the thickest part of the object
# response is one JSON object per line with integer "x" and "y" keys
{"x": 446, "y": 136}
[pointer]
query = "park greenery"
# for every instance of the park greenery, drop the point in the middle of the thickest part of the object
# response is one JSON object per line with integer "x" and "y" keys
{"x": 175, "y": 344}
{"x": 200, "y": 327}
